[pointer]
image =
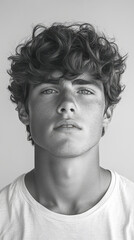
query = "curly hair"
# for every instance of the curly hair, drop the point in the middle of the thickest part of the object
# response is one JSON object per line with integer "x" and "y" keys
{"x": 71, "y": 49}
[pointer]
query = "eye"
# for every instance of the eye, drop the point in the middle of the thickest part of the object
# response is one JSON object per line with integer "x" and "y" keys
{"x": 85, "y": 92}
{"x": 49, "y": 91}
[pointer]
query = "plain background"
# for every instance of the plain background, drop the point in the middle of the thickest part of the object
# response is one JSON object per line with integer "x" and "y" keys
{"x": 116, "y": 19}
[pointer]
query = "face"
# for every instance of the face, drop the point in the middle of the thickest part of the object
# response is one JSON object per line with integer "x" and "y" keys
{"x": 66, "y": 116}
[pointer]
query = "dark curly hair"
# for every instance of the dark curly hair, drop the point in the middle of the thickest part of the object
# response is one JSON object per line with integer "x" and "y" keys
{"x": 72, "y": 49}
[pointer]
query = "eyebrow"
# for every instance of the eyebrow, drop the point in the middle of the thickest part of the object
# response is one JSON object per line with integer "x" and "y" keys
{"x": 84, "y": 82}
{"x": 77, "y": 81}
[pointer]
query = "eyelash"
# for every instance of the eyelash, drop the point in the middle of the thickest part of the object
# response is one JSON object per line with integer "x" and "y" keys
{"x": 88, "y": 92}
{"x": 50, "y": 91}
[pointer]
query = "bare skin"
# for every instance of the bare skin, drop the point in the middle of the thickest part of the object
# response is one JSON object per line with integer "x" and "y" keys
{"x": 67, "y": 177}
{"x": 68, "y": 187}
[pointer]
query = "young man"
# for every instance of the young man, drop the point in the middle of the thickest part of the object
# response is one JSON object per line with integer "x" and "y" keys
{"x": 65, "y": 81}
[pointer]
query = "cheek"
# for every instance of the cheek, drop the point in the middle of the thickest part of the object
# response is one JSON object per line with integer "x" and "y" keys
{"x": 93, "y": 109}
{"x": 40, "y": 117}
{"x": 40, "y": 111}
{"x": 93, "y": 117}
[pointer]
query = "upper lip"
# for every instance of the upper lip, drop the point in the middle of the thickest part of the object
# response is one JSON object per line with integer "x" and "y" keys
{"x": 67, "y": 122}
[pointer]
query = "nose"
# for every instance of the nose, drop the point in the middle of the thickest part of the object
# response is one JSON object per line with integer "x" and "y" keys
{"x": 67, "y": 107}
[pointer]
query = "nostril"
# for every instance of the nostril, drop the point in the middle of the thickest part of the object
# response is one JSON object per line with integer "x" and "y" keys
{"x": 63, "y": 110}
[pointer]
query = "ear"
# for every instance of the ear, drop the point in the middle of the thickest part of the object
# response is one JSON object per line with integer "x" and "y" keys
{"x": 107, "y": 117}
{"x": 23, "y": 115}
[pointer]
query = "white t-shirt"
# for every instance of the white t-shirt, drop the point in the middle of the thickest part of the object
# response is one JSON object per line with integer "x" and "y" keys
{"x": 112, "y": 218}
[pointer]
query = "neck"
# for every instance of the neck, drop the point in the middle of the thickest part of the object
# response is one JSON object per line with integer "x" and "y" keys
{"x": 64, "y": 183}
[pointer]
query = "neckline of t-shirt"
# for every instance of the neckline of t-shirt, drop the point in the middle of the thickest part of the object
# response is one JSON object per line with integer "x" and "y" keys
{"x": 62, "y": 217}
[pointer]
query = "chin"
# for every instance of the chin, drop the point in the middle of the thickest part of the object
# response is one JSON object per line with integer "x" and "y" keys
{"x": 68, "y": 152}
{"x": 65, "y": 154}
{"x": 67, "y": 148}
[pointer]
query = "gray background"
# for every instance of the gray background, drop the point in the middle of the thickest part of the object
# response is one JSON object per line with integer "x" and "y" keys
{"x": 17, "y": 18}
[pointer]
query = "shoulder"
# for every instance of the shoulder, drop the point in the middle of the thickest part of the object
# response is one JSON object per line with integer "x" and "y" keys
{"x": 9, "y": 195}
{"x": 125, "y": 183}
{"x": 126, "y": 189}
{"x": 10, "y": 205}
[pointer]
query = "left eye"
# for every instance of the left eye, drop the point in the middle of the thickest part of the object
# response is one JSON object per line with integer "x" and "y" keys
{"x": 85, "y": 92}
{"x": 49, "y": 91}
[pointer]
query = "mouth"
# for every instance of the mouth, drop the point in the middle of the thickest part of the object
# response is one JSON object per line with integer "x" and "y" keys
{"x": 67, "y": 125}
